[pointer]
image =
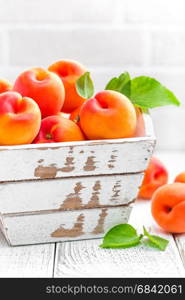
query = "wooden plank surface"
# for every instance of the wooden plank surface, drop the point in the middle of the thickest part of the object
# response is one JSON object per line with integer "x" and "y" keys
{"x": 64, "y": 225}
{"x": 79, "y": 159}
{"x": 68, "y": 193}
{"x": 26, "y": 261}
{"x": 86, "y": 259}
{"x": 180, "y": 241}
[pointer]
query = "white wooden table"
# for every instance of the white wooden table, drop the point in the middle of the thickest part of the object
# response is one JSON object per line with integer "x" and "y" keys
{"x": 86, "y": 259}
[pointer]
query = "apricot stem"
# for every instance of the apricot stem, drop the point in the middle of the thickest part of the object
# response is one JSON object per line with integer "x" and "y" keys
{"x": 48, "y": 136}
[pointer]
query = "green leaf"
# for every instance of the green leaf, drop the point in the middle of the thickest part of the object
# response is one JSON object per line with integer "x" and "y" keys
{"x": 120, "y": 84}
{"x": 121, "y": 236}
{"x": 147, "y": 92}
{"x": 84, "y": 86}
{"x": 155, "y": 241}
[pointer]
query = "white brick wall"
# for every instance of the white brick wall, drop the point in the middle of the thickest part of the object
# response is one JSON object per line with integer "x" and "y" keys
{"x": 109, "y": 36}
{"x": 1, "y": 49}
{"x": 88, "y": 45}
{"x": 155, "y": 12}
{"x": 168, "y": 48}
{"x": 58, "y": 11}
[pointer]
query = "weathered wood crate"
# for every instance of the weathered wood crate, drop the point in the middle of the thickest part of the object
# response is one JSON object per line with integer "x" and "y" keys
{"x": 70, "y": 191}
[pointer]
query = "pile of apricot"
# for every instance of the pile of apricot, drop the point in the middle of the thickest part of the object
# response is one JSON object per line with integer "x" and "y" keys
{"x": 43, "y": 106}
{"x": 167, "y": 200}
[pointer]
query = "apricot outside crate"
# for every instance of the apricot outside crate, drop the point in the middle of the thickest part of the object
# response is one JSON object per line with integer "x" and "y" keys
{"x": 70, "y": 191}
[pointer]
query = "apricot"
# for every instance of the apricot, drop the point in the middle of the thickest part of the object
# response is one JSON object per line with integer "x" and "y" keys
{"x": 75, "y": 115}
{"x": 180, "y": 177}
{"x": 155, "y": 176}
{"x": 55, "y": 129}
{"x": 5, "y": 86}
{"x": 69, "y": 71}
{"x": 140, "y": 126}
{"x": 44, "y": 87}
{"x": 20, "y": 119}
{"x": 109, "y": 115}
{"x": 168, "y": 207}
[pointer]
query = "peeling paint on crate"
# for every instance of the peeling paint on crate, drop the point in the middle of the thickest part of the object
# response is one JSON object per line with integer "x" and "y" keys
{"x": 100, "y": 226}
{"x": 75, "y": 231}
{"x": 63, "y": 225}
{"x": 44, "y": 172}
{"x": 112, "y": 160}
{"x": 116, "y": 190}
{"x": 73, "y": 200}
{"x": 19, "y": 165}
{"x": 44, "y": 148}
{"x": 90, "y": 164}
{"x": 94, "y": 201}
{"x": 68, "y": 193}
{"x": 69, "y": 163}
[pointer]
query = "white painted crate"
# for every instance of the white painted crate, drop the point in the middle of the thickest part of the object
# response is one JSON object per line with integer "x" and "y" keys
{"x": 70, "y": 191}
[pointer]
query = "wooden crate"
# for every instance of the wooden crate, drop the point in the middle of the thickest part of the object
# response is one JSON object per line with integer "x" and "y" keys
{"x": 70, "y": 191}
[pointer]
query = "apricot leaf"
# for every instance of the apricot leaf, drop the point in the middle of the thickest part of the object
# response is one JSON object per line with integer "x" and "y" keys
{"x": 147, "y": 92}
{"x": 125, "y": 236}
{"x": 121, "y": 236}
{"x": 120, "y": 84}
{"x": 155, "y": 241}
{"x": 84, "y": 86}
{"x": 144, "y": 92}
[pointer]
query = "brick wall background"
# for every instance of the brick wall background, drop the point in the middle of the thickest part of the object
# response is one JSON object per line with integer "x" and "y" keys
{"x": 145, "y": 37}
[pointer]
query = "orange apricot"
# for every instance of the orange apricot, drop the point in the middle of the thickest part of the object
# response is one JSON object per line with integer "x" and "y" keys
{"x": 108, "y": 115}
{"x": 69, "y": 71}
{"x": 55, "y": 129}
{"x": 5, "y": 86}
{"x": 155, "y": 176}
{"x": 20, "y": 119}
{"x": 168, "y": 207}
{"x": 44, "y": 87}
{"x": 180, "y": 177}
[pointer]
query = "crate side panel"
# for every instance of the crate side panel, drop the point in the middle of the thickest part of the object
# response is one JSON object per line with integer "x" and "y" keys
{"x": 68, "y": 193}
{"x": 71, "y": 161}
{"x": 63, "y": 226}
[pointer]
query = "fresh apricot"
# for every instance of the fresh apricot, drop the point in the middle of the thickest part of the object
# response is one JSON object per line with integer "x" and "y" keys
{"x": 55, "y": 129}
{"x": 140, "y": 126}
{"x": 5, "y": 86}
{"x": 20, "y": 119}
{"x": 168, "y": 207}
{"x": 69, "y": 71}
{"x": 155, "y": 176}
{"x": 180, "y": 177}
{"x": 75, "y": 115}
{"x": 108, "y": 115}
{"x": 44, "y": 87}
